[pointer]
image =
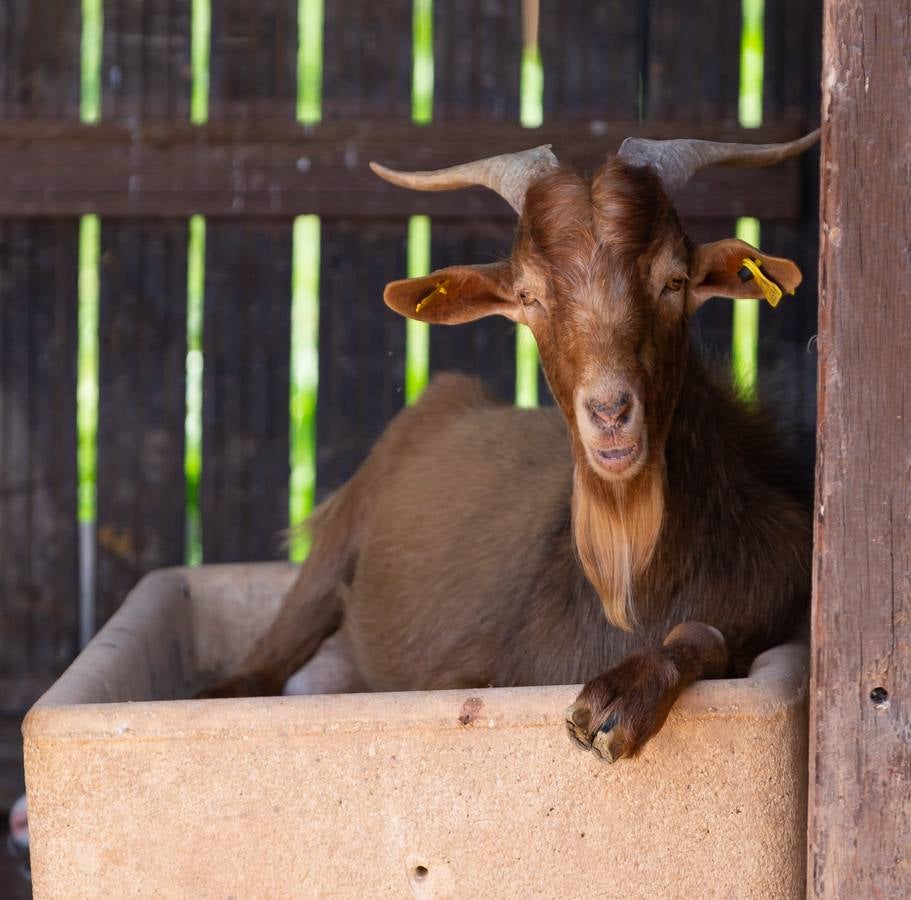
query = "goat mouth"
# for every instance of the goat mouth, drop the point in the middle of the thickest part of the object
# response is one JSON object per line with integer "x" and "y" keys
{"x": 618, "y": 460}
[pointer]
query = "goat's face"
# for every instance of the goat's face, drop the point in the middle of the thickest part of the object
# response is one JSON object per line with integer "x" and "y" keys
{"x": 599, "y": 271}
{"x": 605, "y": 278}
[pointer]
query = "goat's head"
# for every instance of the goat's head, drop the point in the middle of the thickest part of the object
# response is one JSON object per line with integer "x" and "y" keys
{"x": 604, "y": 276}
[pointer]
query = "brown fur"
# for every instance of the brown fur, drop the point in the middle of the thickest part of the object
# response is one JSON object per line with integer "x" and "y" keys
{"x": 479, "y": 544}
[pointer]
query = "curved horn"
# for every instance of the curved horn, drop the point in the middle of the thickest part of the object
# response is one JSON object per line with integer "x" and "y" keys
{"x": 676, "y": 161}
{"x": 509, "y": 175}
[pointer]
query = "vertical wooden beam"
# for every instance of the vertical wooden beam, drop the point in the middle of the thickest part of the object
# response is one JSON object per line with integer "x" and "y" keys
{"x": 860, "y": 714}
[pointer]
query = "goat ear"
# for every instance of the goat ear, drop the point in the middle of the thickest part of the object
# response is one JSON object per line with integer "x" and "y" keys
{"x": 455, "y": 295}
{"x": 716, "y": 267}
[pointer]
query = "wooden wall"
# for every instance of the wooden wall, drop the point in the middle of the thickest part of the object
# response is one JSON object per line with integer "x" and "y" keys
{"x": 611, "y": 68}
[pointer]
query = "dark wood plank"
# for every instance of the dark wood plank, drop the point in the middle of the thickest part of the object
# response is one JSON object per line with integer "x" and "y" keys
{"x": 246, "y": 376}
{"x": 367, "y": 60}
{"x": 253, "y": 70}
{"x": 486, "y": 348}
{"x": 39, "y": 59}
{"x": 39, "y": 582}
{"x": 146, "y": 59}
{"x": 860, "y": 714}
{"x": 787, "y": 348}
{"x": 142, "y": 385}
{"x": 142, "y": 321}
{"x": 477, "y": 60}
{"x": 592, "y": 57}
{"x": 264, "y": 169}
{"x": 247, "y": 315}
{"x": 361, "y": 343}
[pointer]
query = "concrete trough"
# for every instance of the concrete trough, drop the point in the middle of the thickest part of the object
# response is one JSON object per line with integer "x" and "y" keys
{"x": 136, "y": 791}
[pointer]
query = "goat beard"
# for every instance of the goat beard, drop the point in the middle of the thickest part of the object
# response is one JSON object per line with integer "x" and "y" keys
{"x": 616, "y": 526}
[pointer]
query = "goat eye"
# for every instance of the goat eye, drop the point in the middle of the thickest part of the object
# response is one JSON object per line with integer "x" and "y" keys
{"x": 674, "y": 283}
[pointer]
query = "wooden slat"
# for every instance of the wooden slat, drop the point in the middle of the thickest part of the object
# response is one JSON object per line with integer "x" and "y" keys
{"x": 38, "y": 530}
{"x": 249, "y": 169}
{"x": 247, "y": 319}
{"x": 787, "y": 349}
{"x": 246, "y": 351}
{"x": 39, "y": 59}
{"x": 253, "y": 73}
{"x": 361, "y": 343}
{"x": 860, "y": 713}
{"x": 477, "y": 63}
{"x": 142, "y": 353}
{"x": 592, "y": 58}
{"x": 142, "y": 322}
{"x": 146, "y": 59}
{"x": 692, "y": 73}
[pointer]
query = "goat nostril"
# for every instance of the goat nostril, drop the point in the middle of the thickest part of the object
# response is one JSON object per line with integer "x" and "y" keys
{"x": 613, "y": 413}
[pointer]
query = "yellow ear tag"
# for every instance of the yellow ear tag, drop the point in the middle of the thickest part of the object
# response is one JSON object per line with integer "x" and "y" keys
{"x": 439, "y": 289}
{"x": 769, "y": 289}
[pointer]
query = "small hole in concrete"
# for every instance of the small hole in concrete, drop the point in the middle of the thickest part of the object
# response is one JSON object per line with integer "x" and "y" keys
{"x": 421, "y": 872}
{"x": 880, "y": 697}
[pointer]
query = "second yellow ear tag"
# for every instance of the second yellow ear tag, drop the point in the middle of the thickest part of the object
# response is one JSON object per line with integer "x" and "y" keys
{"x": 769, "y": 289}
{"x": 439, "y": 289}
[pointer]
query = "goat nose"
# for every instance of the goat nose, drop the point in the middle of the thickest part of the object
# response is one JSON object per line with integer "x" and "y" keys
{"x": 613, "y": 412}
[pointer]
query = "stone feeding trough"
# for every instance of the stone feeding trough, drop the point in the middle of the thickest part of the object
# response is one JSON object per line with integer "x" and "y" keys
{"x": 135, "y": 791}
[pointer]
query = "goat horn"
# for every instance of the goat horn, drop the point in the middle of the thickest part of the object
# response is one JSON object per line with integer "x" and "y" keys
{"x": 676, "y": 161}
{"x": 509, "y": 175}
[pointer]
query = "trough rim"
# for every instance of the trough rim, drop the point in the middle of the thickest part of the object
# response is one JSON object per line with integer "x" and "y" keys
{"x": 776, "y": 684}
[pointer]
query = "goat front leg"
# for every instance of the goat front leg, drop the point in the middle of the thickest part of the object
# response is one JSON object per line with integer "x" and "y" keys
{"x": 618, "y": 712}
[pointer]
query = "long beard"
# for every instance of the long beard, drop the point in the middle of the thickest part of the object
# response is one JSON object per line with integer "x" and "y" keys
{"x": 615, "y": 528}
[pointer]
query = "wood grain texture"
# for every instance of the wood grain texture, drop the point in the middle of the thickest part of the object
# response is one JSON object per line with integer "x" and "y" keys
{"x": 239, "y": 169}
{"x": 592, "y": 55}
{"x": 246, "y": 376}
{"x": 860, "y": 749}
{"x": 146, "y": 60}
{"x": 142, "y": 346}
{"x": 39, "y": 59}
{"x": 247, "y": 309}
{"x": 38, "y": 528}
{"x": 361, "y": 342}
{"x": 787, "y": 344}
{"x": 142, "y": 343}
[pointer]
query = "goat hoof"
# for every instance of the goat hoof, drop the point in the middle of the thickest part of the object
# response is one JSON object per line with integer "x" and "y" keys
{"x": 601, "y": 745}
{"x": 577, "y": 722}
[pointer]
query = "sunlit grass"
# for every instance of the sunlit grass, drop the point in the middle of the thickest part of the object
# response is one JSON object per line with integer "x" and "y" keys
{"x": 87, "y": 378}
{"x": 200, "y": 41}
{"x": 304, "y": 375}
{"x": 310, "y": 61}
{"x": 88, "y": 289}
{"x": 531, "y": 115}
{"x": 417, "y": 334}
{"x": 745, "y": 315}
{"x": 752, "y": 61}
{"x": 196, "y": 262}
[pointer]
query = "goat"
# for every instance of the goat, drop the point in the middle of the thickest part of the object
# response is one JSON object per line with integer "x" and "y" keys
{"x": 645, "y": 533}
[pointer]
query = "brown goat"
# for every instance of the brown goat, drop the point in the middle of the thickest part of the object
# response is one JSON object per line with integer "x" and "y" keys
{"x": 480, "y": 544}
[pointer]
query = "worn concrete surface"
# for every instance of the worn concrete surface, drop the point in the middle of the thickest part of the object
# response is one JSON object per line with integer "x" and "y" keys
{"x": 444, "y": 794}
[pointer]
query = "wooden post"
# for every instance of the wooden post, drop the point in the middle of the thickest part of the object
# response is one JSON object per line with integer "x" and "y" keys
{"x": 860, "y": 759}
